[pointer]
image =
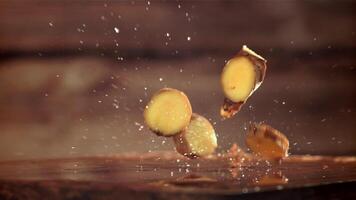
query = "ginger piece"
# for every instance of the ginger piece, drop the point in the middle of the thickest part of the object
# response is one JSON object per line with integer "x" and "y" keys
{"x": 168, "y": 112}
{"x": 274, "y": 179}
{"x": 229, "y": 108}
{"x": 267, "y": 142}
{"x": 241, "y": 76}
{"x": 189, "y": 181}
{"x": 198, "y": 139}
{"x": 237, "y": 156}
{"x": 193, "y": 180}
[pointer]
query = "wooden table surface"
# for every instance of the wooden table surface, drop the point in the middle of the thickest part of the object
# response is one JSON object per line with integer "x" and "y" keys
{"x": 167, "y": 175}
{"x": 71, "y": 86}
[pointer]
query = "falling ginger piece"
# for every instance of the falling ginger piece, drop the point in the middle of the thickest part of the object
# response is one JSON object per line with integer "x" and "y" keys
{"x": 168, "y": 112}
{"x": 198, "y": 139}
{"x": 241, "y": 76}
{"x": 267, "y": 142}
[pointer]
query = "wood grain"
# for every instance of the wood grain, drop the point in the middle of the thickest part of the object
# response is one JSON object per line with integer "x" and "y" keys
{"x": 161, "y": 176}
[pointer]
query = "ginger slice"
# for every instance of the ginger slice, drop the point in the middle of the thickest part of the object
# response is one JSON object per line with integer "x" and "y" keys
{"x": 241, "y": 76}
{"x": 267, "y": 142}
{"x": 168, "y": 112}
{"x": 198, "y": 139}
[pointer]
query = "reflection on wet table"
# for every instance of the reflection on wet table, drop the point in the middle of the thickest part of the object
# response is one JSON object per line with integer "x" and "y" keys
{"x": 167, "y": 173}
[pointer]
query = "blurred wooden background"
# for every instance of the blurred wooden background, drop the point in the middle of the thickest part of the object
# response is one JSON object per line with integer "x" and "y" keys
{"x": 76, "y": 75}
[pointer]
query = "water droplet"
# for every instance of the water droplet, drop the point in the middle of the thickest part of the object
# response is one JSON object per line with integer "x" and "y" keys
{"x": 257, "y": 189}
{"x": 244, "y": 190}
{"x": 115, "y": 105}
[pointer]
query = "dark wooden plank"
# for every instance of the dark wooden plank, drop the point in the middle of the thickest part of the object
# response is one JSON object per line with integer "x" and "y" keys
{"x": 170, "y": 176}
{"x": 13, "y": 190}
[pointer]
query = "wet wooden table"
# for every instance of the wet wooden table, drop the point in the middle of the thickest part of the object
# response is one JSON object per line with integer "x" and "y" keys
{"x": 167, "y": 175}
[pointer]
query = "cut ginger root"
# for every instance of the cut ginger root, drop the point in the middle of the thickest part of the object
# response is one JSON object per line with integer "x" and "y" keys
{"x": 267, "y": 142}
{"x": 241, "y": 76}
{"x": 198, "y": 139}
{"x": 168, "y": 112}
{"x": 274, "y": 179}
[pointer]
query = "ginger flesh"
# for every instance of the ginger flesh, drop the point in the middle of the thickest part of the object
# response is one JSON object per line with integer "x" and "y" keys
{"x": 238, "y": 79}
{"x": 241, "y": 76}
{"x": 168, "y": 112}
{"x": 198, "y": 139}
{"x": 267, "y": 142}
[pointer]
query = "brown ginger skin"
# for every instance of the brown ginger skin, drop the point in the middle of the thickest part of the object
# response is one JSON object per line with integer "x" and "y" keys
{"x": 267, "y": 142}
